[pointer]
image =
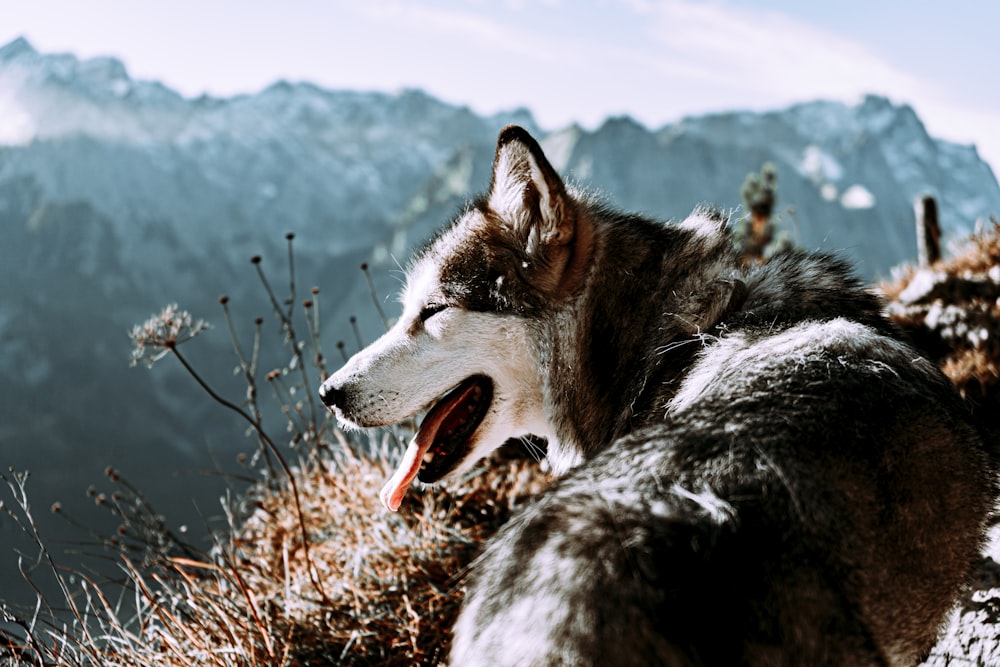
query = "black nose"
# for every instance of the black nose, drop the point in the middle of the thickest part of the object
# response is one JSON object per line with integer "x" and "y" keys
{"x": 331, "y": 395}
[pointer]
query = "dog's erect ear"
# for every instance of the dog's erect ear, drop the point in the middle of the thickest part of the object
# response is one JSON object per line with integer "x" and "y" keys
{"x": 527, "y": 193}
{"x": 536, "y": 217}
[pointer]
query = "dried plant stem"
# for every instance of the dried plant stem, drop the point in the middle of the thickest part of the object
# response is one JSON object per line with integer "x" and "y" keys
{"x": 313, "y": 575}
{"x": 286, "y": 324}
{"x": 249, "y": 368}
{"x": 21, "y": 497}
{"x": 312, "y": 325}
{"x": 160, "y": 527}
{"x": 285, "y": 399}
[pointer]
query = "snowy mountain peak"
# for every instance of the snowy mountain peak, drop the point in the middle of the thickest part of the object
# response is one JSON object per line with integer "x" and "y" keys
{"x": 91, "y": 74}
{"x": 44, "y": 96}
{"x": 356, "y": 153}
{"x": 17, "y": 49}
{"x": 880, "y": 114}
{"x": 119, "y": 195}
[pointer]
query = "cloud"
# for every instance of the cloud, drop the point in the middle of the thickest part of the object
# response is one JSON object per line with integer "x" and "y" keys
{"x": 765, "y": 51}
{"x": 466, "y": 25}
{"x": 730, "y": 57}
{"x": 656, "y": 60}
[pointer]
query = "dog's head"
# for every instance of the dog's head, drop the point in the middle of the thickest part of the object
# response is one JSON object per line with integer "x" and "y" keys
{"x": 463, "y": 347}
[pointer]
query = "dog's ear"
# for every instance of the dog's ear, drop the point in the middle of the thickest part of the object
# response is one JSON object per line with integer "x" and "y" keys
{"x": 527, "y": 194}
{"x": 529, "y": 201}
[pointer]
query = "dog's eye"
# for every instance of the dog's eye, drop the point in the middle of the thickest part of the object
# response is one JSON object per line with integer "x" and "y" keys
{"x": 430, "y": 310}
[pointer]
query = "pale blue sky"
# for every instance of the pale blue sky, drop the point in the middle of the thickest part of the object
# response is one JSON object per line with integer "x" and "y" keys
{"x": 566, "y": 60}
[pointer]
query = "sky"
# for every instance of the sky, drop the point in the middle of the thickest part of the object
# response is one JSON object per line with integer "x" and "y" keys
{"x": 565, "y": 60}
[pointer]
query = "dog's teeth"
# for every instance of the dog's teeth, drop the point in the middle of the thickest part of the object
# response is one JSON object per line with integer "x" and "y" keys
{"x": 429, "y": 456}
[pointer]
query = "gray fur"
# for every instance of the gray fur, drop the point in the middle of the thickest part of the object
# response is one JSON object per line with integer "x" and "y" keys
{"x": 818, "y": 501}
{"x": 759, "y": 471}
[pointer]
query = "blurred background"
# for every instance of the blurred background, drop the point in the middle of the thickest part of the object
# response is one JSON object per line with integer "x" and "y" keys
{"x": 149, "y": 150}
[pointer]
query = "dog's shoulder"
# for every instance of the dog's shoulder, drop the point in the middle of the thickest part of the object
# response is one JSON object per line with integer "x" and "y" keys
{"x": 803, "y": 318}
{"x": 797, "y": 285}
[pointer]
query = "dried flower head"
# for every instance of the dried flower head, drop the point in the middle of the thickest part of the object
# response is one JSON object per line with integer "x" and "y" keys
{"x": 161, "y": 333}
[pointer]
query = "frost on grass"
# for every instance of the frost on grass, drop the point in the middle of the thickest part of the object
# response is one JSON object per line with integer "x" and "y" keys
{"x": 385, "y": 590}
{"x": 309, "y": 569}
{"x": 951, "y": 311}
{"x": 334, "y": 579}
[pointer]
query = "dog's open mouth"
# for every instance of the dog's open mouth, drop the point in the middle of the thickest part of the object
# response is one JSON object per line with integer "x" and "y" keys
{"x": 439, "y": 445}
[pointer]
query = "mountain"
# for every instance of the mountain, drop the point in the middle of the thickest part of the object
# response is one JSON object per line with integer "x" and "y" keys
{"x": 850, "y": 172}
{"x": 118, "y": 196}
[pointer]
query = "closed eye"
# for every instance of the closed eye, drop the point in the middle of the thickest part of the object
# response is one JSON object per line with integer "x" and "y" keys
{"x": 430, "y": 310}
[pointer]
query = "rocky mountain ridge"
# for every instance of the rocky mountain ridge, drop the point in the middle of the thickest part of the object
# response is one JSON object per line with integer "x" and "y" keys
{"x": 118, "y": 196}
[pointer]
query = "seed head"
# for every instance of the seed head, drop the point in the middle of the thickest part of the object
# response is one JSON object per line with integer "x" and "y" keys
{"x": 163, "y": 332}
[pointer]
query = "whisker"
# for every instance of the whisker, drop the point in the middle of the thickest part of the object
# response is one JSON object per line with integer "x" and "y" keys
{"x": 534, "y": 451}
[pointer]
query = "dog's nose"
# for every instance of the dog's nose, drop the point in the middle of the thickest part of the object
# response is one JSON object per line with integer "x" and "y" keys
{"x": 331, "y": 395}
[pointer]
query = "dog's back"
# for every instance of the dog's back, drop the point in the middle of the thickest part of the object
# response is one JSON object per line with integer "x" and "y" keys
{"x": 812, "y": 498}
{"x": 760, "y": 471}
{"x": 807, "y": 491}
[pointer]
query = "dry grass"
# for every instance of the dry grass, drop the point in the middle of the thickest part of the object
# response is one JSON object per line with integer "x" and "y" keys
{"x": 378, "y": 588}
{"x": 951, "y": 310}
{"x": 312, "y": 570}
{"x": 391, "y": 584}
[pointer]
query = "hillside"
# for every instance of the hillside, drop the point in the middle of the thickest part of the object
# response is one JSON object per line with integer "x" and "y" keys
{"x": 118, "y": 196}
{"x": 374, "y": 587}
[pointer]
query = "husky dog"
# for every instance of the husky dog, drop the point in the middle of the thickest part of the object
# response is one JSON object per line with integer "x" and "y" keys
{"x": 756, "y": 469}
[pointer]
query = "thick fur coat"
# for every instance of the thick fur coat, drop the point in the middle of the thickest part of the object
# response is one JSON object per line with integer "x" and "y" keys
{"x": 757, "y": 469}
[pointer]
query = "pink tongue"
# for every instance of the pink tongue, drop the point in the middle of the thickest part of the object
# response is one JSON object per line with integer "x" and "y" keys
{"x": 394, "y": 490}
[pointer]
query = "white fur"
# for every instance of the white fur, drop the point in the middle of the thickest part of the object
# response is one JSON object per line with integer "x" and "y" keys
{"x": 516, "y": 169}
{"x": 731, "y": 355}
{"x": 414, "y": 364}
